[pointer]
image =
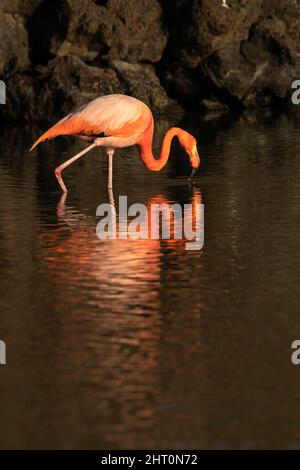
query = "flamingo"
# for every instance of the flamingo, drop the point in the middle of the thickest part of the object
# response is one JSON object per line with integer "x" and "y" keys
{"x": 117, "y": 121}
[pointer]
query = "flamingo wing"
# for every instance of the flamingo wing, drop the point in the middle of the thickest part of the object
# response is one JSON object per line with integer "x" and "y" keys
{"x": 110, "y": 115}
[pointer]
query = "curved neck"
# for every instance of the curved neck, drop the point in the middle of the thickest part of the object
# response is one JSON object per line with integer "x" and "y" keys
{"x": 145, "y": 149}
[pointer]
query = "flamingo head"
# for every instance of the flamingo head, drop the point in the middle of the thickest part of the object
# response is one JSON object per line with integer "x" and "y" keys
{"x": 189, "y": 143}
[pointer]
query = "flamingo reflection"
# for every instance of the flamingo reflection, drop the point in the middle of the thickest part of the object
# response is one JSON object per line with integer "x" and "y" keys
{"x": 121, "y": 281}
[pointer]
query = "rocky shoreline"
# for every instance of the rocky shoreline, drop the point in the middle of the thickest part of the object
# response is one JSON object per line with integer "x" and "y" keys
{"x": 191, "y": 54}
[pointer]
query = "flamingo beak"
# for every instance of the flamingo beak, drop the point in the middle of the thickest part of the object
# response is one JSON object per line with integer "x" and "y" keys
{"x": 195, "y": 161}
{"x": 194, "y": 171}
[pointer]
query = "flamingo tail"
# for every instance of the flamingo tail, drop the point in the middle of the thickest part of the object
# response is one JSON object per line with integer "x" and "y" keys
{"x": 67, "y": 126}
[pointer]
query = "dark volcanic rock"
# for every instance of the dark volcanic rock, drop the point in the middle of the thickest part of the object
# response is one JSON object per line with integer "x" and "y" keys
{"x": 199, "y": 28}
{"x": 22, "y": 7}
{"x": 55, "y": 90}
{"x": 245, "y": 55}
{"x": 22, "y": 102}
{"x": 67, "y": 82}
{"x": 13, "y": 44}
{"x": 61, "y": 27}
{"x": 261, "y": 67}
{"x": 139, "y": 27}
{"x": 123, "y": 29}
{"x": 74, "y": 83}
{"x": 141, "y": 81}
{"x": 57, "y": 54}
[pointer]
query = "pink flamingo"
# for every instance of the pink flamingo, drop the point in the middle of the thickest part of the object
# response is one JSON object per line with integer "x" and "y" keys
{"x": 116, "y": 121}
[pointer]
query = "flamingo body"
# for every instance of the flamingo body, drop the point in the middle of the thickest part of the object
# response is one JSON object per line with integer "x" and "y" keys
{"x": 115, "y": 121}
{"x": 119, "y": 116}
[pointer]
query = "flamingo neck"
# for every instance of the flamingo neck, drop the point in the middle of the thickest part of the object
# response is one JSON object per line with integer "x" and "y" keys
{"x": 145, "y": 149}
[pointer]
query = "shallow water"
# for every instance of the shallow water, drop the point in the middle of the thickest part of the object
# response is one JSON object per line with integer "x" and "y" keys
{"x": 142, "y": 344}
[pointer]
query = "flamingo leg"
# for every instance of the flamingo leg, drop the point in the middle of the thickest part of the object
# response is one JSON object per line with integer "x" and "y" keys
{"x": 110, "y": 153}
{"x": 60, "y": 168}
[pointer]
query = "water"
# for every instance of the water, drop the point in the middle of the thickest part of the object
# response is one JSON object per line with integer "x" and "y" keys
{"x": 141, "y": 344}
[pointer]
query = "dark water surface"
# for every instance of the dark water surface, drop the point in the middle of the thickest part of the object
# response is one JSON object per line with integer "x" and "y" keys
{"x": 141, "y": 344}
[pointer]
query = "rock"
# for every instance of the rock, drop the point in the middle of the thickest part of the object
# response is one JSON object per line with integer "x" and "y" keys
{"x": 57, "y": 54}
{"x": 245, "y": 55}
{"x": 187, "y": 86}
{"x": 139, "y": 27}
{"x": 56, "y": 90}
{"x": 14, "y": 45}
{"x": 67, "y": 82}
{"x": 197, "y": 29}
{"x": 260, "y": 68}
{"x": 123, "y": 29}
{"x": 62, "y": 27}
{"x": 141, "y": 82}
{"x": 22, "y": 7}
{"x": 21, "y": 102}
{"x": 214, "y": 106}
